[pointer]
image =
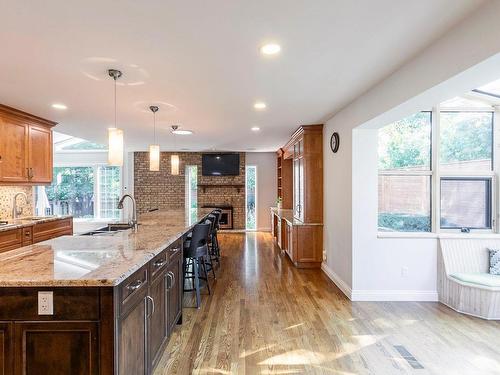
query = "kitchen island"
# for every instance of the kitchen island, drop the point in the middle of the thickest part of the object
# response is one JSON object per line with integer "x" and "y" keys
{"x": 101, "y": 304}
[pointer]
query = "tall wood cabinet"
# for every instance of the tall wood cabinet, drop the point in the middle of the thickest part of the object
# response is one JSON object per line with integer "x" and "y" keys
{"x": 25, "y": 148}
{"x": 298, "y": 226}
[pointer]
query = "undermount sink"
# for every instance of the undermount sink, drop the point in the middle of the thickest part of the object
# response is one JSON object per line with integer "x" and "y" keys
{"x": 110, "y": 229}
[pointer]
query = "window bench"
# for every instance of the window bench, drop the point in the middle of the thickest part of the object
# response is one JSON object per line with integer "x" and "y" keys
{"x": 464, "y": 283}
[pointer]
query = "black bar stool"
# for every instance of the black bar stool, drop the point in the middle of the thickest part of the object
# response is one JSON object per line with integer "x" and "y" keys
{"x": 195, "y": 251}
{"x": 211, "y": 254}
{"x": 215, "y": 240}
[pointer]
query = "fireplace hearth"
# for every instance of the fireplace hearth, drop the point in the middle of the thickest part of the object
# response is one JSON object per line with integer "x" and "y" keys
{"x": 226, "y": 218}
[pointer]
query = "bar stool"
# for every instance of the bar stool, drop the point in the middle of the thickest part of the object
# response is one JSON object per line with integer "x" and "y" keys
{"x": 195, "y": 251}
{"x": 215, "y": 239}
{"x": 211, "y": 253}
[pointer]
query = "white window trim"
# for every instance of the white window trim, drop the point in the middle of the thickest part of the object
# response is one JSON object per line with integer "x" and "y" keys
{"x": 436, "y": 175}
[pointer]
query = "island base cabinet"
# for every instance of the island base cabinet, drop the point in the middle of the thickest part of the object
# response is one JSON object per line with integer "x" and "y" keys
{"x": 132, "y": 350}
{"x": 56, "y": 348}
{"x": 174, "y": 293}
{"x": 6, "y": 348}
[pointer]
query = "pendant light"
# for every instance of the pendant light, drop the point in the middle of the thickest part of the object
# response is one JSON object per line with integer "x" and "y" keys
{"x": 115, "y": 135}
{"x": 174, "y": 158}
{"x": 154, "y": 149}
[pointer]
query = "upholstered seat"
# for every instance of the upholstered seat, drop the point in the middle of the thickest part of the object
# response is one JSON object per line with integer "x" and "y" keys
{"x": 483, "y": 279}
{"x": 464, "y": 283}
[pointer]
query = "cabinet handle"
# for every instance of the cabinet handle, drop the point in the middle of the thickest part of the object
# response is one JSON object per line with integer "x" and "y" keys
{"x": 173, "y": 279}
{"x": 149, "y": 298}
{"x": 135, "y": 285}
{"x": 159, "y": 263}
{"x": 175, "y": 249}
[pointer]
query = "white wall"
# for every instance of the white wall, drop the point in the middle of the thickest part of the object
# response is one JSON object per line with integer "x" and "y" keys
{"x": 364, "y": 266}
{"x": 266, "y": 185}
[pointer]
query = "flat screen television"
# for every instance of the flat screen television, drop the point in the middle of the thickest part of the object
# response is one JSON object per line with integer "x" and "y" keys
{"x": 220, "y": 164}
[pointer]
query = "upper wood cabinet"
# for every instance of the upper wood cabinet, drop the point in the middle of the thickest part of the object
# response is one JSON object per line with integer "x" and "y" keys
{"x": 306, "y": 150}
{"x": 25, "y": 148}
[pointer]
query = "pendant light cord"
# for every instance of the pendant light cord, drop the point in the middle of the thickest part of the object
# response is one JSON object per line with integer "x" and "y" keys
{"x": 154, "y": 127}
{"x": 115, "y": 99}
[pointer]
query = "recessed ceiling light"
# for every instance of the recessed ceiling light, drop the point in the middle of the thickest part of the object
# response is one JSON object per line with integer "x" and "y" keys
{"x": 270, "y": 49}
{"x": 59, "y": 106}
{"x": 255, "y": 128}
{"x": 182, "y": 132}
{"x": 260, "y": 105}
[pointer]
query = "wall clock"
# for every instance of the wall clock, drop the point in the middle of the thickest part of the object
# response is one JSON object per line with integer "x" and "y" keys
{"x": 335, "y": 142}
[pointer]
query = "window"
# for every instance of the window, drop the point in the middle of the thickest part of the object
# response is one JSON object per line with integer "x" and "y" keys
{"x": 86, "y": 192}
{"x": 458, "y": 175}
{"x": 251, "y": 194}
{"x": 191, "y": 193}
{"x": 465, "y": 203}
{"x": 404, "y": 193}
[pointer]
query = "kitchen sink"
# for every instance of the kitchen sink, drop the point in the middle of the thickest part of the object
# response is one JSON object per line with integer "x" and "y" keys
{"x": 108, "y": 230}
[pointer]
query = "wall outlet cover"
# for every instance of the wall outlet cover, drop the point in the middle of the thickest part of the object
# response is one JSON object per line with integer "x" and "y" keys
{"x": 45, "y": 303}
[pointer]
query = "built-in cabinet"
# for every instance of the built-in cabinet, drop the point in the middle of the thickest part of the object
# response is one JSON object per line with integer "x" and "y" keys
{"x": 27, "y": 235}
{"x": 94, "y": 330}
{"x": 25, "y": 148}
{"x": 298, "y": 225}
{"x": 151, "y": 306}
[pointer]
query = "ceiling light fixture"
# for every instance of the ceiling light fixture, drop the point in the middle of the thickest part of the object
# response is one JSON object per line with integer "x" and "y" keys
{"x": 174, "y": 158}
{"x": 270, "y": 49}
{"x": 115, "y": 135}
{"x": 260, "y": 105}
{"x": 255, "y": 128}
{"x": 59, "y": 106}
{"x": 181, "y": 131}
{"x": 154, "y": 149}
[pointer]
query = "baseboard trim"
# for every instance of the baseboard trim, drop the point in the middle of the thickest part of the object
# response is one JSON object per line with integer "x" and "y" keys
{"x": 380, "y": 295}
{"x": 395, "y": 295}
{"x": 264, "y": 229}
{"x": 341, "y": 284}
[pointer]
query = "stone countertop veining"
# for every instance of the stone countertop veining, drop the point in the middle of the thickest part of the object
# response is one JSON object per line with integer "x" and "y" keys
{"x": 103, "y": 260}
{"x": 287, "y": 215}
{"x": 29, "y": 221}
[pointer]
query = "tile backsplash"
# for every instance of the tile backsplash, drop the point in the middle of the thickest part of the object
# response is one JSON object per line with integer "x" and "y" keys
{"x": 6, "y": 195}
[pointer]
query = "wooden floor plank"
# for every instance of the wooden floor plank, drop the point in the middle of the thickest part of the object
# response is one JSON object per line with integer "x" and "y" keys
{"x": 264, "y": 316}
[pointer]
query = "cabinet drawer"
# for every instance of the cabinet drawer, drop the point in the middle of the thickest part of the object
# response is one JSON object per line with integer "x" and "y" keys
{"x": 51, "y": 229}
{"x": 134, "y": 287}
{"x": 11, "y": 239}
{"x": 158, "y": 264}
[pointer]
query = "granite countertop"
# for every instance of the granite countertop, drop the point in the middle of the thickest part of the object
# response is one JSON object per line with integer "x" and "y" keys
{"x": 287, "y": 215}
{"x": 102, "y": 260}
{"x": 31, "y": 220}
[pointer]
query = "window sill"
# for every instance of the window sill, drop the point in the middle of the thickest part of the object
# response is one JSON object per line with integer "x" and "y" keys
{"x": 407, "y": 235}
{"x": 428, "y": 235}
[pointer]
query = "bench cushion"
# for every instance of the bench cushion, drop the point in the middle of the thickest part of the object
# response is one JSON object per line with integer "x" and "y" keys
{"x": 484, "y": 279}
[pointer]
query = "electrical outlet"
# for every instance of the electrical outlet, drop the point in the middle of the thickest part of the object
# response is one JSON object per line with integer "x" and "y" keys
{"x": 324, "y": 255}
{"x": 45, "y": 303}
{"x": 404, "y": 271}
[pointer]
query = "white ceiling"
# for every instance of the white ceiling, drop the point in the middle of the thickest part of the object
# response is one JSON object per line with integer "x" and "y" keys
{"x": 202, "y": 58}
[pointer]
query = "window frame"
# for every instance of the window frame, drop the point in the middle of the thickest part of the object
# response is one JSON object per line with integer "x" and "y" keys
{"x": 95, "y": 169}
{"x": 417, "y": 173}
{"x": 436, "y": 175}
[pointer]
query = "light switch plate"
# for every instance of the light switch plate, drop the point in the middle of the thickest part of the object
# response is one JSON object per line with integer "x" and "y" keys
{"x": 45, "y": 303}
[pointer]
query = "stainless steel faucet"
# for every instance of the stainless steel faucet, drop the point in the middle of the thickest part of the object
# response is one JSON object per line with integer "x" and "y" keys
{"x": 133, "y": 222}
{"x": 17, "y": 211}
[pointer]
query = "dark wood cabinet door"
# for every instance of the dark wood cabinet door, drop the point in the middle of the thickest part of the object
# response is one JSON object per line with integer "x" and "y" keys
{"x": 157, "y": 321}
{"x": 56, "y": 348}
{"x": 174, "y": 292}
{"x": 6, "y": 349}
{"x": 40, "y": 154}
{"x": 132, "y": 346}
{"x": 13, "y": 151}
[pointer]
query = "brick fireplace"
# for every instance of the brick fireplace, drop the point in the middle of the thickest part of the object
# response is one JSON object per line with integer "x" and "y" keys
{"x": 163, "y": 191}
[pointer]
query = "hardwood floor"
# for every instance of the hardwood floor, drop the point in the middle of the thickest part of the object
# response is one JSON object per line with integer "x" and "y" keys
{"x": 266, "y": 317}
